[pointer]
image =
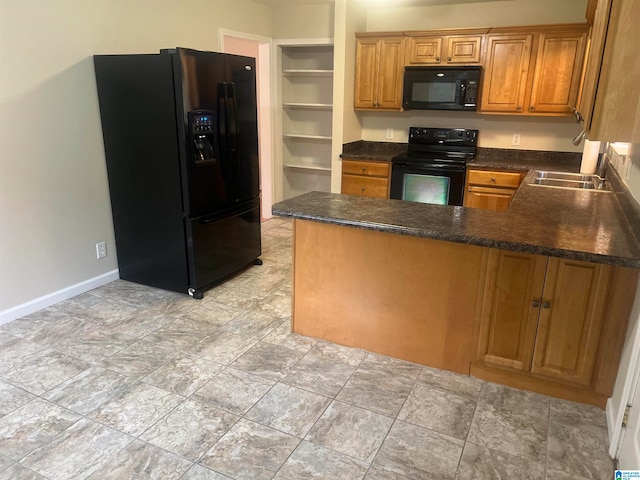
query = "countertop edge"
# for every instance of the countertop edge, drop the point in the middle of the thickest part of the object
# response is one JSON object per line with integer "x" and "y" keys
{"x": 468, "y": 240}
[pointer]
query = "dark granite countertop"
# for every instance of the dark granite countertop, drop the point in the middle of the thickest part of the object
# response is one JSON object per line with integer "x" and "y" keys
{"x": 582, "y": 225}
{"x": 381, "y": 151}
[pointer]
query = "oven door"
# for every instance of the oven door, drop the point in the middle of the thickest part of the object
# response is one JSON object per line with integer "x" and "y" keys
{"x": 436, "y": 183}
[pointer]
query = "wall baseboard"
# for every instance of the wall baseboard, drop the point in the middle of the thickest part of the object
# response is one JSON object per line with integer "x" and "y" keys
{"x": 47, "y": 300}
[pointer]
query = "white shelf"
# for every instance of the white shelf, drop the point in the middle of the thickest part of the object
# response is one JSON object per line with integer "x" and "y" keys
{"x": 318, "y": 106}
{"x": 307, "y": 73}
{"x": 305, "y": 136}
{"x": 308, "y": 167}
{"x": 306, "y": 113}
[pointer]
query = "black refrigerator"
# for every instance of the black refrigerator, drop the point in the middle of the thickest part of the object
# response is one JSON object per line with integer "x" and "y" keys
{"x": 180, "y": 135}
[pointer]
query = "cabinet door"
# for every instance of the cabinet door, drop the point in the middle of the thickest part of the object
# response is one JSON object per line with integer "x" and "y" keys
{"x": 594, "y": 62}
{"x": 424, "y": 50}
{"x": 556, "y": 77}
{"x": 506, "y": 72}
{"x": 616, "y": 114}
{"x": 508, "y": 317}
{"x": 391, "y": 73}
{"x": 367, "y": 53}
{"x": 463, "y": 49}
{"x": 364, "y": 186}
{"x": 571, "y": 317}
{"x": 488, "y": 198}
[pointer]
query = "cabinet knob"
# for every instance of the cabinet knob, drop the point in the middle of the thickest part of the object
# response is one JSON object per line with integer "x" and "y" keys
{"x": 448, "y": 59}
{"x": 532, "y": 108}
{"x": 535, "y": 304}
{"x": 364, "y": 169}
{"x": 493, "y": 179}
{"x": 437, "y": 59}
{"x": 363, "y": 189}
{"x": 519, "y": 108}
{"x": 546, "y": 305}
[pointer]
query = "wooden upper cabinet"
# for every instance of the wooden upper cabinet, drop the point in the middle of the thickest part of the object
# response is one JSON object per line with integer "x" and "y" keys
{"x": 556, "y": 77}
{"x": 506, "y": 72}
{"x": 444, "y": 50}
{"x": 593, "y": 62}
{"x": 379, "y": 72}
{"x": 616, "y": 110}
{"x": 534, "y": 72}
{"x": 367, "y": 53}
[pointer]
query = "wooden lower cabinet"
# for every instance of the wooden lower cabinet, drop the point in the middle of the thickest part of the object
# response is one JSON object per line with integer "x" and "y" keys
{"x": 365, "y": 178}
{"x": 490, "y": 190}
{"x": 546, "y": 324}
{"x": 551, "y": 325}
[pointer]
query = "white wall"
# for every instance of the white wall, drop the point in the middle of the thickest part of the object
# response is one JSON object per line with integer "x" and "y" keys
{"x": 303, "y": 21}
{"x": 54, "y": 199}
{"x": 496, "y": 131}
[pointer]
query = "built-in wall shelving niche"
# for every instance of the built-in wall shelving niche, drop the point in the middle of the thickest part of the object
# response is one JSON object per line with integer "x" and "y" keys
{"x": 307, "y": 105}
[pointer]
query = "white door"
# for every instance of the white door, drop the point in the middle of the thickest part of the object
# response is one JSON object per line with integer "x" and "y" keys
{"x": 625, "y": 442}
{"x": 629, "y": 458}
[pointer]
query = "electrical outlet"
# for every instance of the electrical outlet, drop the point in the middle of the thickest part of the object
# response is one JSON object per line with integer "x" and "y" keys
{"x": 101, "y": 250}
{"x": 516, "y": 139}
{"x": 389, "y": 133}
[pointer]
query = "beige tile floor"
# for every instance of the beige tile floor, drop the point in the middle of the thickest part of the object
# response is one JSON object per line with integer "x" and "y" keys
{"x": 128, "y": 381}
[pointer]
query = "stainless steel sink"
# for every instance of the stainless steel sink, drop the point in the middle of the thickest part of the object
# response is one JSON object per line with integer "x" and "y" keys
{"x": 580, "y": 177}
{"x": 574, "y": 181}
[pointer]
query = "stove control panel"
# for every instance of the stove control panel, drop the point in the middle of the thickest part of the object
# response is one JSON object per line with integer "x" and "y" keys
{"x": 443, "y": 136}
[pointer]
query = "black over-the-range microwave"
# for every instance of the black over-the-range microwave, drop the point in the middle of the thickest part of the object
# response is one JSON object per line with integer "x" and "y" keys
{"x": 441, "y": 88}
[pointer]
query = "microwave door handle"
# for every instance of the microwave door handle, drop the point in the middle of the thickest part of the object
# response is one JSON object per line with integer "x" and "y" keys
{"x": 463, "y": 88}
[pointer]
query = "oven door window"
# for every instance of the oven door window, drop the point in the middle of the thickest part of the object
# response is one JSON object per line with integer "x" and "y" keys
{"x": 426, "y": 189}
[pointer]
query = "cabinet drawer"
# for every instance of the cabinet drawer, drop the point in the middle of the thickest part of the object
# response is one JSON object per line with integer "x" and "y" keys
{"x": 365, "y": 186}
{"x": 490, "y": 178}
{"x": 374, "y": 169}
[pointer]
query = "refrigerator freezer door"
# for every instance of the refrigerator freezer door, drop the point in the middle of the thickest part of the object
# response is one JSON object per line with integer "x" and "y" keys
{"x": 225, "y": 86}
{"x": 220, "y": 246}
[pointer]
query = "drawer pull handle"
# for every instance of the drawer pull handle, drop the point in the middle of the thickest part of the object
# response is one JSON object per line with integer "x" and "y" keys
{"x": 519, "y": 107}
{"x": 448, "y": 59}
{"x": 535, "y": 304}
{"x": 493, "y": 179}
{"x": 363, "y": 189}
{"x": 364, "y": 169}
{"x": 437, "y": 59}
{"x": 546, "y": 305}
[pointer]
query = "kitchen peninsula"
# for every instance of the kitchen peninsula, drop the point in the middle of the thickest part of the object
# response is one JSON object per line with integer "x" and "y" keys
{"x": 536, "y": 297}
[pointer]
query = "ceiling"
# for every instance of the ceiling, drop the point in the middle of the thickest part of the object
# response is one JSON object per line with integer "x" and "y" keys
{"x": 378, "y": 3}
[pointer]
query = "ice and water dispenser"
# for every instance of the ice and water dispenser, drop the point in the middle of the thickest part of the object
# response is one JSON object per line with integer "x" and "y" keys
{"x": 202, "y": 134}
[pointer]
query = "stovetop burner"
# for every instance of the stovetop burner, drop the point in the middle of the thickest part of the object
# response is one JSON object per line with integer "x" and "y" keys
{"x": 453, "y": 145}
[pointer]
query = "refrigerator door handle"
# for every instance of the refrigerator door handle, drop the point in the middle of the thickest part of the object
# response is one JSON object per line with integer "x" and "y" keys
{"x": 223, "y": 129}
{"x": 234, "y": 130}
